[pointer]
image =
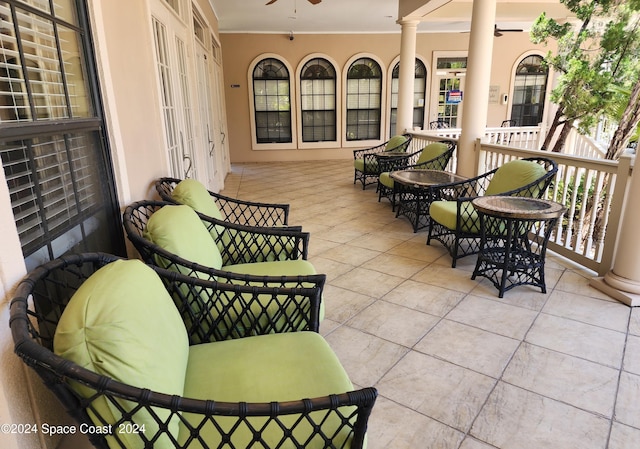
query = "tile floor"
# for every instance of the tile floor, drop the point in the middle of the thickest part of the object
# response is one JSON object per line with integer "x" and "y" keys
{"x": 455, "y": 366}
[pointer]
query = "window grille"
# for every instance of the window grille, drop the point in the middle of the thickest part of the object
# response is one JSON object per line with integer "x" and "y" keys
{"x": 272, "y": 102}
{"x": 318, "y": 100}
{"x": 364, "y": 94}
{"x": 51, "y": 138}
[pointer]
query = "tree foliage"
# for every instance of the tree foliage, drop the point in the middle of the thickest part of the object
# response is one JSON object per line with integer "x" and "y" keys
{"x": 597, "y": 52}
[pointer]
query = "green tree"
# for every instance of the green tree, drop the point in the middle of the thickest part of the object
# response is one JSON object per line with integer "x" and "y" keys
{"x": 595, "y": 53}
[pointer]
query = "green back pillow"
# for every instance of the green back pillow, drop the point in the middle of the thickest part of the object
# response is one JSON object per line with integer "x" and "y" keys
{"x": 179, "y": 230}
{"x": 514, "y": 174}
{"x": 194, "y": 194}
{"x": 122, "y": 323}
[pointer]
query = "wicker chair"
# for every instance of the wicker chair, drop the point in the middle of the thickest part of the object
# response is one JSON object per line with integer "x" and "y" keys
{"x": 454, "y": 222}
{"x": 365, "y": 161}
{"x": 434, "y": 156}
{"x": 233, "y": 210}
{"x": 262, "y": 256}
{"x": 439, "y": 124}
{"x": 177, "y": 386}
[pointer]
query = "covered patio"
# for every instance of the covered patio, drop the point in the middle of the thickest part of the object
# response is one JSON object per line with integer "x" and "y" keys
{"x": 455, "y": 366}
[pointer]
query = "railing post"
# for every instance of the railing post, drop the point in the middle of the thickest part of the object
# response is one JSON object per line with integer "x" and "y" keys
{"x": 622, "y": 247}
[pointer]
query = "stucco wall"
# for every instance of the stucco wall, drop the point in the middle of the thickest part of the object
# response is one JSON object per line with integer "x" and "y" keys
{"x": 125, "y": 55}
{"x": 239, "y": 50}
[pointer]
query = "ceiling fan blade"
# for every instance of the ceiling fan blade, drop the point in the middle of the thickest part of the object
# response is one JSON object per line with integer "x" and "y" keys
{"x": 271, "y": 2}
{"x": 314, "y": 2}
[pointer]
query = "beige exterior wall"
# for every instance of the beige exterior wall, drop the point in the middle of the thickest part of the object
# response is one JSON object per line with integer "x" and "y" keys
{"x": 239, "y": 50}
{"x": 126, "y": 66}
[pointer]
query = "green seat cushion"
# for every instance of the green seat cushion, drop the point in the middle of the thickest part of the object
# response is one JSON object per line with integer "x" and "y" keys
{"x": 515, "y": 174}
{"x": 275, "y": 367}
{"x": 395, "y": 142}
{"x": 372, "y": 165}
{"x": 446, "y": 213}
{"x": 386, "y": 180}
{"x": 121, "y": 323}
{"x": 194, "y": 194}
{"x": 432, "y": 151}
{"x": 179, "y": 230}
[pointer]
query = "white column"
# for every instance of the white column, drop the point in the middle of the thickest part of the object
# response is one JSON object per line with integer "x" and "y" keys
{"x": 478, "y": 79}
{"x": 623, "y": 281}
{"x": 407, "y": 75}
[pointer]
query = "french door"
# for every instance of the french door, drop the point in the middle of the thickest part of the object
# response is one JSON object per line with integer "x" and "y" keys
{"x": 448, "y": 91}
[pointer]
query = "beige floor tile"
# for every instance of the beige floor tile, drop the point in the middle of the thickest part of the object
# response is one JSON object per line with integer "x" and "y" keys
{"x": 632, "y": 355}
{"x": 570, "y": 337}
{"x": 414, "y": 249}
{"x": 394, "y": 323}
{"x": 624, "y": 437}
{"x": 573, "y": 282}
{"x": 393, "y": 426}
{"x": 607, "y": 314}
{"x": 443, "y": 391}
{"x": 472, "y": 443}
{"x": 376, "y": 241}
{"x": 341, "y": 304}
{"x": 347, "y": 254}
{"x": 522, "y": 296}
{"x": 568, "y": 379}
{"x": 368, "y": 282}
{"x": 503, "y": 319}
{"x": 329, "y": 267}
{"x": 517, "y": 419}
{"x": 424, "y": 297}
{"x": 365, "y": 357}
{"x": 634, "y": 321}
{"x": 395, "y": 265}
{"x": 470, "y": 347}
{"x": 628, "y": 405}
{"x": 444, "y": 276}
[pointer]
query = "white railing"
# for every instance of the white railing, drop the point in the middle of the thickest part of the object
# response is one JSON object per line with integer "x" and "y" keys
{"x": 587, "y": 232}
{"x": 584, "y": 146}
{"x": 528, "y": 137}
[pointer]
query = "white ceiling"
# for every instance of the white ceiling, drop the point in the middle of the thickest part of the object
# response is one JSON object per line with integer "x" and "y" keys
{"x": 366, "y": 16}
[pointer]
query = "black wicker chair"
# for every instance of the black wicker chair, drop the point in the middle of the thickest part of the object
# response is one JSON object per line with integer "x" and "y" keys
{"x": 241, "y": 248}
{"x": 439, "y": 124}
{"x": 136, "y": 417}
{"x": 421, "y": 159}
{"x": 365, "y": 161}
{"x": 454, "y": 222}
{"x": 234, "y": 210}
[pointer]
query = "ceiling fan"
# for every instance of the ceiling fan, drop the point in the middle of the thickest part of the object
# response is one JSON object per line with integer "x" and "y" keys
{"x": 313, "y": 2}
{"x": 497, "y": 32}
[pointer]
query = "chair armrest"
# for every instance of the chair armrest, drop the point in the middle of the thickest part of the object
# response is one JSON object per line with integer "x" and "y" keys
{"x": 359, "y": 154}
{"x": 218, "y": 311}
{"x": 244, "y": 244}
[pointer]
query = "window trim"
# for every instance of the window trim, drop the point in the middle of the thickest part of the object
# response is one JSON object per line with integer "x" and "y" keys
{"x": 383, "y": 102}
{"x": 298, "y": 79}
{"x": 293, "y": 95}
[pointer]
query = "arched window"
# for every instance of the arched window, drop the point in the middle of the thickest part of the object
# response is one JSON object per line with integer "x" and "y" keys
{"x": 419, "y": 92}
{"x": 529, "y": 88}
{"x": 364, "y": 94}
{"x": 318, "y": 101}
{"x": 272, "y": 102}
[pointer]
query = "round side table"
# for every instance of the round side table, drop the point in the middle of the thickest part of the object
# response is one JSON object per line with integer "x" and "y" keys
{"x": 514, "y": 236}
